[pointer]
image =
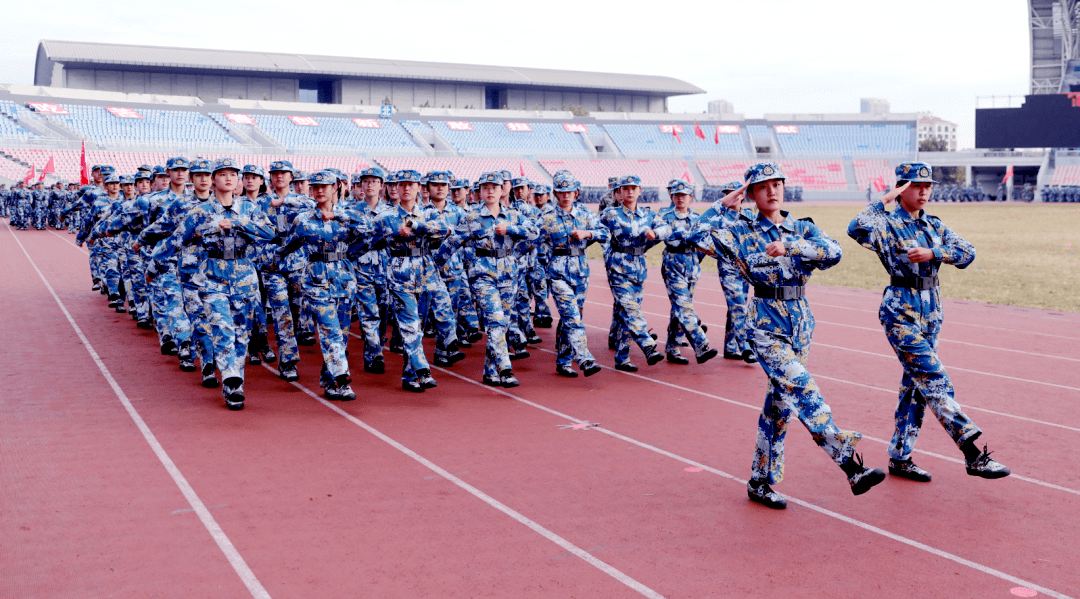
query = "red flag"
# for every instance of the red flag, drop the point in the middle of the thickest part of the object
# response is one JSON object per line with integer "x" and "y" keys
{"x": 879, "y": 184}
{"x": 675, "y": 132}
{"x": 521, "y": 168}
{"x": 84, "y": 171}
{"x": 716, "y": 136}
{"x": 29, "y": 175}
{"x": 686, "y": 175}
{"x": 50, "y": 167}
{"x": 698, "y": 132}
{"x": 1008, "y": 174}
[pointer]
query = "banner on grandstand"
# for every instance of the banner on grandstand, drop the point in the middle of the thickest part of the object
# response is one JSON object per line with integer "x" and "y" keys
{"x": 671, "y": 129}
{"x": 879, "y": 184}
{"x": 518, "y": 127}
{"x": 304, "y": 121}
{"x": 787, "y": 128}
{"x": 240, "y": 119}
{"x": 725, "y": 129}
{"x": 46, "y": 108}
{"x": 459, "y": 125}
{"x": 576, "y": 127}
{"x": 367, "y": 123}
{"x": 124, "y": 113}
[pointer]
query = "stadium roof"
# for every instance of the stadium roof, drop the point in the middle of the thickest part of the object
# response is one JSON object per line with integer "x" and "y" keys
{"x": 73, "y": 54}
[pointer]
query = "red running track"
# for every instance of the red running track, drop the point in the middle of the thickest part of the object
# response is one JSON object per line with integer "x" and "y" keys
{"x": 470, "y": 491}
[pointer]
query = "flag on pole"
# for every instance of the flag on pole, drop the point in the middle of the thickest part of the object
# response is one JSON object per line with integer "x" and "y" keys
{"x": 1008, "y": 174}
{"x": 686, "y": 175}
{"x": 716, "y": 136}
{"x": 521, "y": 169}
{"x": 675, "y": 132}
{"x": 698, "y": 132}
{"x": 84, "y": 171}
{"x": 29, "y": 175}
{"x": 50, "y": 167}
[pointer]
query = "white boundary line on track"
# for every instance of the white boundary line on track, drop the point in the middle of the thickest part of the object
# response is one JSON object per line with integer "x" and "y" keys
{"x": 491, "y": 501}
{"x": 880, "y": 330}
{"x": 858, "y": 523}
{"x": 891, "y": 357}
{"x": 235, "y": 559}
{"x": 758, "y": 409}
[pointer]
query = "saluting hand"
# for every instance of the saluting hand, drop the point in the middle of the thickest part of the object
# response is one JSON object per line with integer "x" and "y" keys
{"x": 776, "y": 249}
{"x": 893, "y": 194}
{"x": 735, "y": 198}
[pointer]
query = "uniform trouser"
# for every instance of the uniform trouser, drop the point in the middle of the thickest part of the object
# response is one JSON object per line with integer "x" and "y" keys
{"x": 538, "y": 290}
{"x": 457, "y": 285}
{"x": 41, "y": 214}
{"x": 412, "y": 335}
{"x": 372, "y": 300}
{"x": 258, "y": 325}
{"x": 496, "y": 299}
{"x": 169, "y": 299}
{"x": 109, "y": 265}
{"x": 437, "y": 304}
{"x": 925, "y": 383}
{"x": 95, "y": 262}
{"x": 277, "y": 297}
{"x": 680, "y": 289}
{"x": 629, "y": 322}
{"x": 229, "y": 318}
{"x": 522, "y": 309}
{"x": 201, "y": 328}
{"x": 332, "y": 318}
{"x": 792, "y": 391}
{"x": 515, "y": 332}
{"x": 570, "y": 340}
{"x": 134, "y": 271}
{"x": 74, "y": 221}
{"x": 736, "y": 291}
{"x": 302, "y": 318}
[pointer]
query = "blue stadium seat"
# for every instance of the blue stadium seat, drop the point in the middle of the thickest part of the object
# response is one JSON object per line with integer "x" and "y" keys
{"x": 492, "y": 139}
{"x": 650, "y": 140}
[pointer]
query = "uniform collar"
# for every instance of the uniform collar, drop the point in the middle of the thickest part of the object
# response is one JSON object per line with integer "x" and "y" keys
{"x": 905, "y": 215}
{"x": 788, "y": 224}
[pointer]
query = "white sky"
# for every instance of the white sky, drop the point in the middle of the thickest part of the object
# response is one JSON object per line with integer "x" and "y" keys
{"x": 781, "y": 56}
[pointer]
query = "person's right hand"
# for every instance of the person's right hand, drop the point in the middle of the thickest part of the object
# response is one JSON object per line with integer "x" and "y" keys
{"x": 894, "y": 193}
{"x": 735, "y": 198}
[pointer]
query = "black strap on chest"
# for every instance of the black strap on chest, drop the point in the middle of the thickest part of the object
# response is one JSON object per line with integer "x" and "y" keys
{"x": 787, "y": 293}
{"x": 409, "y": 253}
{"x": 685, "y": 248}
{"x": 570, "y": 251}
{"x": 627, "y": 249}
{"x": 918, "y": 283}
{"x": 326, "y": 256}
{"x": 497, "y": 253}
{"x": 236, "y": 254}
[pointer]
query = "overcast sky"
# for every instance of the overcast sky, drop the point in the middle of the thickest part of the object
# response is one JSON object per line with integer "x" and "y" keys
{"x": 781, "y": 56}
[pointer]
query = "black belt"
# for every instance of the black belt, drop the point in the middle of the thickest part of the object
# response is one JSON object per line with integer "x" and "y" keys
{"x": 379, "y": 246}
{"x": 632, "y": 250}
{"x": 226, "y": 254}
{"x": 682, "y": 249}
{"x": 434, "y": 244}
{"x": 791, "y": 292}
{"x": 920, "y": 283}
{"x": 326, "y": 256}
{"x": 568, "y": 252}
{"x": 484, "y": 253}
{"x": 409, "y": 253}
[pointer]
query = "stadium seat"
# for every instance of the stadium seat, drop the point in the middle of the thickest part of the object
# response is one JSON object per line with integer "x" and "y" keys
{"x": 490, "y": 139}
{"x": 651, "y": 140}
{"x": 653, "y": 173}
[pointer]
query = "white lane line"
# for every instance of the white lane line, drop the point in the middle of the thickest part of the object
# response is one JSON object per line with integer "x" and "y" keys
{"x": 890, "y": 356}
{"x": 491, "y": 501}
{"x": 758, "y": 409}
{"x": 858, "y": 523}
{"x": 239, "y": 565}
{"x": 895, "y": 392}
{"x": 879, "y": 330}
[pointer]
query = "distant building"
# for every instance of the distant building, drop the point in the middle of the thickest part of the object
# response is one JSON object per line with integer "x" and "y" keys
{"x": 721, "y": 107}
{"x": 931, "y": 127}
{"x": 873, "y": 106}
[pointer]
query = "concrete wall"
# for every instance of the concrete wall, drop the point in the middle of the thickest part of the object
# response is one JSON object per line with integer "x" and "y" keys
{"x": 206, "y": 87}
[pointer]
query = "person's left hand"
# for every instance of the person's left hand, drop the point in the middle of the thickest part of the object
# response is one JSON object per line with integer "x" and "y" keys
{"x": 917, "y": 255}
{"x": 776, "y": 249}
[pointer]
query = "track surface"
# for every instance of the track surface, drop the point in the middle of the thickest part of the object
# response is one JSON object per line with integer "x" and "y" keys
{"x": 471, "y": 491}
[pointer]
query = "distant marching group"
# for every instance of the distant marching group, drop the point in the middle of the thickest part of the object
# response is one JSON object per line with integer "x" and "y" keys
{"x": 215, "y": 254}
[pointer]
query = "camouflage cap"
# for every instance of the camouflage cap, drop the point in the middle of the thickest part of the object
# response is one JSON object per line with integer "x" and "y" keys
{"x": 628, "y": 180}
{"x": 225, "y": 164}
{"x": 681, "y": 187}
{"x": 112, "y": 178}
{"x": 409, "y": 176}
{"x": 107, "y": 169}
{"x": 495, "y": 177}
{"x": 281, "y": 166}
{"x": 459, "y": 184}
{"x": 300, "y": 176}
{"x": 324, "y": 178}
{"x": 127, "y": 180}
{"x": 916, "y": 172}
{"x": 541, "y": 189}
{"x": 253, "y": 169}
{"x": 764, "y": 171}
{"x": 147, "y": 175}
{"x": 519, "y": 182}
{"x": 371, "y": 171}
{"x": 177, "y": 162}
{"x": 731, "y": 186}
{"x": 566, "y": 184}
{"x": 439, "y": 177}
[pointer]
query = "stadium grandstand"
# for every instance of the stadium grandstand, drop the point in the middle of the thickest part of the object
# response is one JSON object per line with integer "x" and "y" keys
{"x": 134, "y": 105}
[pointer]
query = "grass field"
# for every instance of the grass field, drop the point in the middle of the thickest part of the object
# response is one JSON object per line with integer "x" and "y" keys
{"x": 1026, "y": 253}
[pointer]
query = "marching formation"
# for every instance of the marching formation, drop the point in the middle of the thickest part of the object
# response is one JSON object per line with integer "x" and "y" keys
{"x": 214, "y": 256}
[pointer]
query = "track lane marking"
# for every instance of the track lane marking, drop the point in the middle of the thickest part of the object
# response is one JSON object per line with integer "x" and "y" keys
{"x": 491, "y": 501}
{"x": 235, "y": 559}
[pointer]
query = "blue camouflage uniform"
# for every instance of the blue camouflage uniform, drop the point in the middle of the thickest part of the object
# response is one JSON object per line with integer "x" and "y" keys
{"x": 328, "y": 284}
{"x": 625, "y": 262}
{"x": 40, "y": 208}
{"x": 439, "y": 305}
{"x": 911, "y": 311}
{"x": 736, "y": 289}
{"x": 681, "y": 269}
{"x": 411, "y": 272}
{"x": 22, "y": 205}
{"x": 493, "y": 276}
{"x": 372, "y": 296}
{"x": 781, "y": 328}
{"x": 568, "y": 274}
{"x": 109, "y": 249}
{"x": 537, "y": 276}
{"x": 226, "y": 278}
{"x": 522, "y": 331}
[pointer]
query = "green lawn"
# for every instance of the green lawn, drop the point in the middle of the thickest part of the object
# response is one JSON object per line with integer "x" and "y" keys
{"x": 1027, "y": 253}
